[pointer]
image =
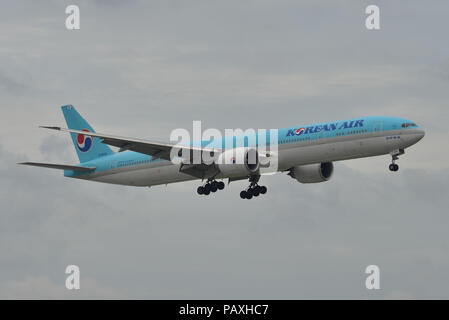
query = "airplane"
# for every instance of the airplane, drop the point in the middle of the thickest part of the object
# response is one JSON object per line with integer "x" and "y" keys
{"x": 306, "y": 153}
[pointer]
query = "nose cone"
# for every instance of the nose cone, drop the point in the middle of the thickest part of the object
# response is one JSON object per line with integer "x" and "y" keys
{"x": 415, "y": 136}
{"x": 420, "y": 134}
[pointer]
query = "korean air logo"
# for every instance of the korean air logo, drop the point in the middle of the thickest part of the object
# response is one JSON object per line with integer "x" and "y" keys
{"x": 83, "y": 142}
{"x": 300, "y": 131}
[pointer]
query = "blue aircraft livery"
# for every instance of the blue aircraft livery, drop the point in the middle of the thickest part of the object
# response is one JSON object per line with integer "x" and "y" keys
{"x": 307, "y": 153}
{"x": 326, "y": 127}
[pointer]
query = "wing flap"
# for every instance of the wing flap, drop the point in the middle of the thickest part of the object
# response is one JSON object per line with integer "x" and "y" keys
{"x": 59, "y": 166}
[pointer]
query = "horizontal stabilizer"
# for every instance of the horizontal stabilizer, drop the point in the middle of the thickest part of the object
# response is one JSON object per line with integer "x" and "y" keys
{"x": 59, "y": 166}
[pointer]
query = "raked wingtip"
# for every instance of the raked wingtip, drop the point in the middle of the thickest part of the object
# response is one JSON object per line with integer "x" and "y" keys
{"x": 50, "y": 127}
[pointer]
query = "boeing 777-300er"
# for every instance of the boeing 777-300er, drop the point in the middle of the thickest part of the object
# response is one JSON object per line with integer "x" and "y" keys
{"x": 306, "y": 153}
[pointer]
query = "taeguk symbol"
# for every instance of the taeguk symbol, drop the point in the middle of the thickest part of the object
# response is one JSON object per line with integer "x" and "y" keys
{"x": 84, "y": 143}
{"x": 300, "y": 131}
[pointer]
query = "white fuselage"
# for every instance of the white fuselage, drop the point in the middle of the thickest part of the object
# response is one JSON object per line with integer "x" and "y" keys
{"x": 291, "y": 152}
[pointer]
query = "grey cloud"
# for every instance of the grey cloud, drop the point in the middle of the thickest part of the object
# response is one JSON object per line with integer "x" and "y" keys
{"x": 41, "y": 287}
{"x": 56, "y": 148}
{"x": 9, "y": 85}
{"x": 300, "y": 241}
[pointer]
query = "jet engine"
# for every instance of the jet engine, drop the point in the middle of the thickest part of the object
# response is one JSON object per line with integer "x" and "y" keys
{"x": 238, "y": 162}
{"x": 312, "y": 173}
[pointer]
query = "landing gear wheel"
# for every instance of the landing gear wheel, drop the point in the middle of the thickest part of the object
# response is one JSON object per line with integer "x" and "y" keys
{"x": 256, "y": 191}
{"x": 395, "y": 156}
{"x": 211, "y": 186}
{"x": 253, "y": 190}
{"x": 393, "y": 167}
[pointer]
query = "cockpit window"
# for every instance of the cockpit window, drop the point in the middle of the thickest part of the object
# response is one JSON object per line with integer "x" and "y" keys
{"x": 408, "y": 124}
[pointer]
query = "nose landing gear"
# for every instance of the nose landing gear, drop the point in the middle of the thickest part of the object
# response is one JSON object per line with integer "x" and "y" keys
{"x": 395, "y": 156}
{"x": 393, "y": 167}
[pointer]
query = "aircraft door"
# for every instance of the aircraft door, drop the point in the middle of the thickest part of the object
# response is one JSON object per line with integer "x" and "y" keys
{"x": 377, "y": 126}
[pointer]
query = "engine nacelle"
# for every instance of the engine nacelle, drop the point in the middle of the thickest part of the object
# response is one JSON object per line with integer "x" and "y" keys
{"x": 313, "y": 173}
{"x": 238, "y": 162}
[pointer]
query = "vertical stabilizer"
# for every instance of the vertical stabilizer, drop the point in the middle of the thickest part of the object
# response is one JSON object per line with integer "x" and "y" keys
{"x": 87, "y": 147}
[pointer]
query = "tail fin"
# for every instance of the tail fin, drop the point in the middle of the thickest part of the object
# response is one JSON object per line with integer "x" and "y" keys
{"x": 87, "y": 148}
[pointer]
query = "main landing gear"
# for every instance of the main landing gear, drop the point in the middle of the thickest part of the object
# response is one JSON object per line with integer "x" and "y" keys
{"x": 211, "y": 185}
{"x": 253, "y": 190}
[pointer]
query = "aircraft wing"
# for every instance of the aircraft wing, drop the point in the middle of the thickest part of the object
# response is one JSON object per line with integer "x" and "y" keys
{"x": 154, "y": 149}
{"x": 59, "y": 166}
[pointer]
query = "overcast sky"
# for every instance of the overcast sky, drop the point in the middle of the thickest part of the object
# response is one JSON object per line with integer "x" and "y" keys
{"x": 144, "y": 68}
